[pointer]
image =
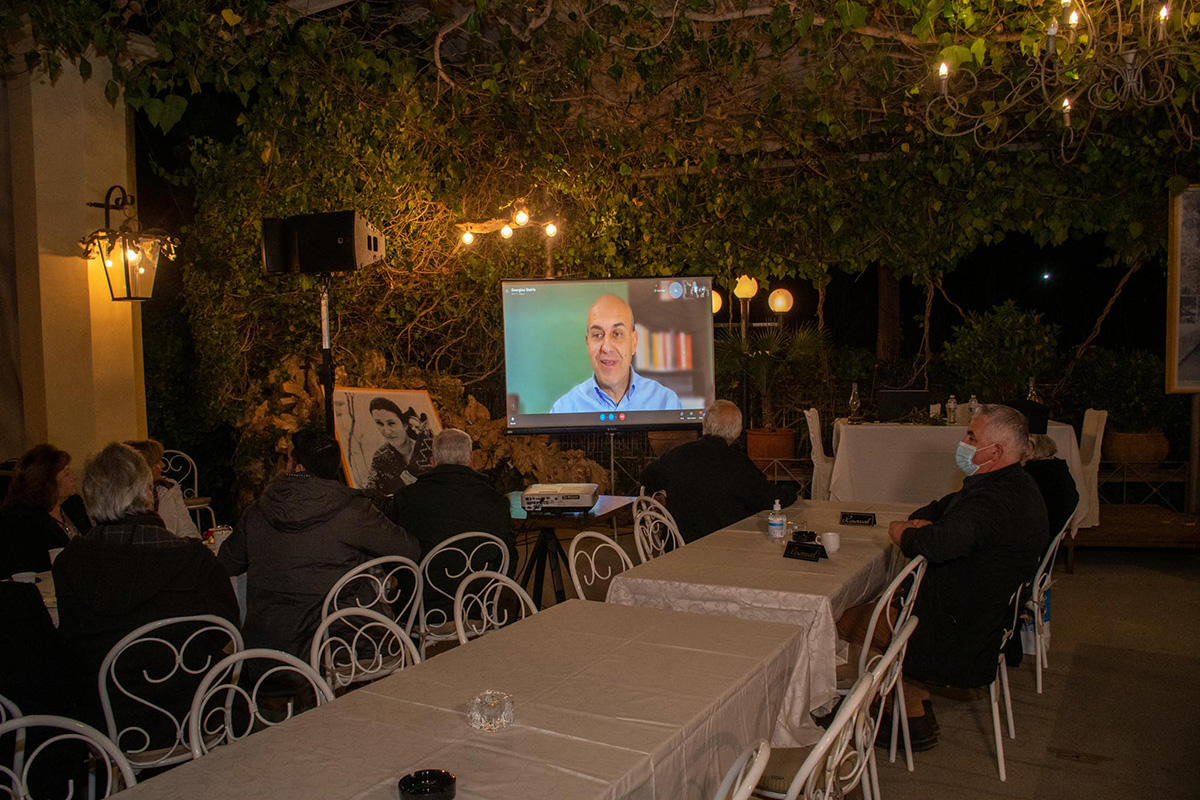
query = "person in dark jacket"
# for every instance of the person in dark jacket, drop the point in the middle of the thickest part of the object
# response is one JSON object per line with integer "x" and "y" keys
{"x": 708, "y": 483}
{"x": 41, "y": 511}
{"x": 294, "y": 542}
{"x": 128, "y": 570}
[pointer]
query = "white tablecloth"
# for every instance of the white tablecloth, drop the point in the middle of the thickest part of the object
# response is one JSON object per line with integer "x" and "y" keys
{"x": 610, "y": 702}
{"x": 915, "y": 463}
{"x": 738, "y": 571}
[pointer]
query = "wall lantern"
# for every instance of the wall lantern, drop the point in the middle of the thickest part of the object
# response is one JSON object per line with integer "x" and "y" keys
{"x": 128, "y": 253}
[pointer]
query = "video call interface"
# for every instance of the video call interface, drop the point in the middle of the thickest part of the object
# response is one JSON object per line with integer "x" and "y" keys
{"x": 608, "y": 354}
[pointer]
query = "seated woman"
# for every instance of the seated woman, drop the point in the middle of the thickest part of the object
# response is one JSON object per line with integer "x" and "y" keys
{"x": 168, "y": 496}
{"x": 41, "y": 511}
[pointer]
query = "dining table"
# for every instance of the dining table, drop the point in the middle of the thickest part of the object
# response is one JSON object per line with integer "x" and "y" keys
{"x": 739, "y": 571}
{"x": 910, "y": 463}
{"x": 610, "y": 702}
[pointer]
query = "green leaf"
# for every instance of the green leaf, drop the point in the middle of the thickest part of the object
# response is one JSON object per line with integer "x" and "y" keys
{"x": 85, "y": 68}
{"x": 1135, "y": 229}
{"x": 230, "y": 17}
{"x": 625, "y": 170}
{"x": 978, "y": 49}
{"x": 1177, "y": 185}
{"x": 112, "y": 90}
{"x": 835, "y": 223}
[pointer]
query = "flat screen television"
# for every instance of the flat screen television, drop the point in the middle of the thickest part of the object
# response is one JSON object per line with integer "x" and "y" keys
{"x": 608, "y": 354}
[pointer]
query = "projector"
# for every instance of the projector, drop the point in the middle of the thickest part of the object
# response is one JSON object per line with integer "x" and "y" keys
{"x": 560, "y": 497}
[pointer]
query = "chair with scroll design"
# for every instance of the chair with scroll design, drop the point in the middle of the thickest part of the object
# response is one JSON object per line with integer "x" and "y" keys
{"x": 232, "y": 702}
{"x": 844, "y": 757}
{"x": 10, "y": 711}
{"x": 743, "y": 775}
{"x": 147, "y": 680}
{"x": 358, "y": 645}
{"x": 53, "y": 733}
{"x": 594, "y": 560}
{"x": 822, "y": 464}
{"x": 481, "y": 604}
{"x": 1035, "y": 605}
{"x": 442, "y": 570}
{"x": 654, "y": 529}
{"x": 390, "y": 585}
{"x": 901, "y": 595}
{"x": 179, "y": 467}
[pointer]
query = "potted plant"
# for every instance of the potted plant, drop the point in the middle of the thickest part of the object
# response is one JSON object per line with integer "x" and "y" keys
{"x": 768, "y": 362}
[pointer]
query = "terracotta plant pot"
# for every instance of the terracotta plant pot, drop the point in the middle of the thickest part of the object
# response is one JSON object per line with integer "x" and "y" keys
{"x": 1135, "y": 448}
{"x": 769, "y": 445}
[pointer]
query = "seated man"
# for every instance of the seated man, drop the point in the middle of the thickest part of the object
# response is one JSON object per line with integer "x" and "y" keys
{"x": 982, "y": 542}
{"x": 128, "y": 570}
{"x": 452, "y": 498}
{"x": 295, "y": 541}
{"x": 708, "y": 483}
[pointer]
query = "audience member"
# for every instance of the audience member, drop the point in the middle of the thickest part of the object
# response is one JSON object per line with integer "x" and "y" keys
{"x": 1052, "y": 475}
{"x": 298, "y": 538}
{"x": 41, "y": 511}
{"x": 982, "y": 542}
{"x": 708, "y": 483}
{"x": 168, "y": 495}
{"x": 129, "y": 569}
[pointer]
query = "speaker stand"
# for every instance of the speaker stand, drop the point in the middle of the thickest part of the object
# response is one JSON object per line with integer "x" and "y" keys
{"x": 326, "y": 355}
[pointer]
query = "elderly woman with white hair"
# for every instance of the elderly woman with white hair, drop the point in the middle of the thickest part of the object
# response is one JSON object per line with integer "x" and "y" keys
{"x": 129, "y": 569}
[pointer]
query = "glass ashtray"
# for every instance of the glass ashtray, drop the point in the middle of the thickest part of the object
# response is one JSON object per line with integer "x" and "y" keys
{"x": 490, "y": 710}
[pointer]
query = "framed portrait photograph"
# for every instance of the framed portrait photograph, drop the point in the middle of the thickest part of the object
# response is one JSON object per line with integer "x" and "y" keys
{"x": 1183, "y": 293}
{"x": 386, "y": 436}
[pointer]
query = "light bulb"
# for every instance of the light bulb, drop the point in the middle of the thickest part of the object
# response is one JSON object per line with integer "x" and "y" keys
{"x": 132, "y": 255}
{"x": 1066, "y": 104}
{"x": 108, "y": 262}
{"x": 551, "y": 229}
{"x": 1163, "y": 13}
{"x": 506, "y": 231}
{"x": 1074, "y": 20}
{"x": 522, "y": 217}
{"x": 468, "y": 237}
{"x": 944, "y": 70}
{"x": 746, "y": 287}
{"x": 780, "y": 301}
{"x": 141, "y": 270}
{"x": 717, "y": 301}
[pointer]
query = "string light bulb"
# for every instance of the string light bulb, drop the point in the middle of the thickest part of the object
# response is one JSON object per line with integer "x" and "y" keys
{"x": 1066, "y": 109}
{"x": 522, "y": 217}
{"x": 944, "y": 74}
{"x": 506, "y": 231}
{"x": 551, "y": 229}
{"x": 468, "y": 237}
{"x": 1164, "y": 14}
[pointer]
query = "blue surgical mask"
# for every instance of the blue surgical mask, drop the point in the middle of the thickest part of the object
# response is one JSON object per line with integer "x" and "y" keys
{"x": 965, "y": 458}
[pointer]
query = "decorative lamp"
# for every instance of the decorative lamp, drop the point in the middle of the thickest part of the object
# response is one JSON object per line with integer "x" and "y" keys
{"x": 551, "y": 229}
{"x": 717, "y": 301}
{"x": 129, "y": 254}
{"x": 746, "y": 287}
{"x": 780, "y": 301}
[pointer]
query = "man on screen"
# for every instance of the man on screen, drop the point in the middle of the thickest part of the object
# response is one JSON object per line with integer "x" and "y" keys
{"x": 614, "y": 386}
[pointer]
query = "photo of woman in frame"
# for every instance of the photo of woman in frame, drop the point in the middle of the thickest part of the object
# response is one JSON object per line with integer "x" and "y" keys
{"x": 386, "y": 436}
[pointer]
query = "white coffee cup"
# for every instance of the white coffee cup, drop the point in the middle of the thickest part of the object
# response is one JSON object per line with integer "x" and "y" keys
{"x": 832, "y": 540}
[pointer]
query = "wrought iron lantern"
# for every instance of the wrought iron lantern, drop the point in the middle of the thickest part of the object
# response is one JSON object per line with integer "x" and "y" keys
{"x": 129, "y": 254}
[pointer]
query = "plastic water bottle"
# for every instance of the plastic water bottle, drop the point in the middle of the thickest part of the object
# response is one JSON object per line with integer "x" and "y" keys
{"x": 952, "y": 410}
{"x": 973, "y": 406}
{"x": 777, "y": 523}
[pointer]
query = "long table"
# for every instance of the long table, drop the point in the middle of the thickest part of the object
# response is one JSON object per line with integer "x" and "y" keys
{"x": 893, "y": 462}
{"x": 738, "y": 571}
{"x": 610, "y": 702}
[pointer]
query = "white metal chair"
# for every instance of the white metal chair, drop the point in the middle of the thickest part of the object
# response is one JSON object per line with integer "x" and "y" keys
{"x": 1000, "y": 683}
{"x": 844, "y": 757}
{"x": 653, "y": 529}
{"x": 593, "y": 568}
{"x": 1090, "y": 441}
{"x": 10, "y": 711}
{"x": 153, "y": 672}
{"x": 743, "y": 775}
{"x": 479, "y": 604}
{"x": 390, "y": 585}
{"x": 822, "y": 464}
{"x": 1036, "y": 604}
{"x": 442, "y": 570}
{"x": 179, "y": 467}
{"x": 61, "y": 729}
{"x": 226, "y": 699}
{"x": 356, "y": 645}
{"x": 900, "y": 594}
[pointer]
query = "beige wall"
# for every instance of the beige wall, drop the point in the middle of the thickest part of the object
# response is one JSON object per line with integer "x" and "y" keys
{"x": 80, "y": 353}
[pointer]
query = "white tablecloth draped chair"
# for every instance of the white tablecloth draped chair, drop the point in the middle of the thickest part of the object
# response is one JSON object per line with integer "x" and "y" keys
{"x": 359, "y": 645}
{"x": 390, "y": 585}
{"x": 442, "y": 570}
{"x": 654, "y": 529}
{"x": 108, "y": 771}
{"x": 594, "y": 560}
{"x": 229, "y": 706}
{"x": 744, "y": 774}
{"x": 179, "y": 467}
{"x": 481, "y": 604}
{"x": 822, "y": 464}
{"x": 1090, "y": 441}
{"x": 149, "y": 678}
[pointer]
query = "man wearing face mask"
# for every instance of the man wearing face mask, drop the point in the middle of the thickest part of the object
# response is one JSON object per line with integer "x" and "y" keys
{"x": 981, "y": 542}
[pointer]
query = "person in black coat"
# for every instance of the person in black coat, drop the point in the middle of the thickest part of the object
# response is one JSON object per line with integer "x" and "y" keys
{"x": 41, "y": 511}
{"x": 709, "y": 484}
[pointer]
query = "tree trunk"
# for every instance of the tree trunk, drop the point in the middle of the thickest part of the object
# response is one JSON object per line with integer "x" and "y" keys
{"x": 887, "y": 340}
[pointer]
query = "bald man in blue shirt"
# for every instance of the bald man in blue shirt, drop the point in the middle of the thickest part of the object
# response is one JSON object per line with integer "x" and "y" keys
{"x": 614, "y": 386}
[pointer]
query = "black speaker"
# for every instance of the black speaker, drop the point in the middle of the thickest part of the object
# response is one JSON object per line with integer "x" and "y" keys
{"x": 336, "y": 241}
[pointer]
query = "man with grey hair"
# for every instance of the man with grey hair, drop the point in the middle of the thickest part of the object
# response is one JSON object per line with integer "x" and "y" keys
{"x": 452, "y": 498}
{"x": 708, "y": 483}
{"x": 129, "y": 569}
{"x": 982, "y": 542}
